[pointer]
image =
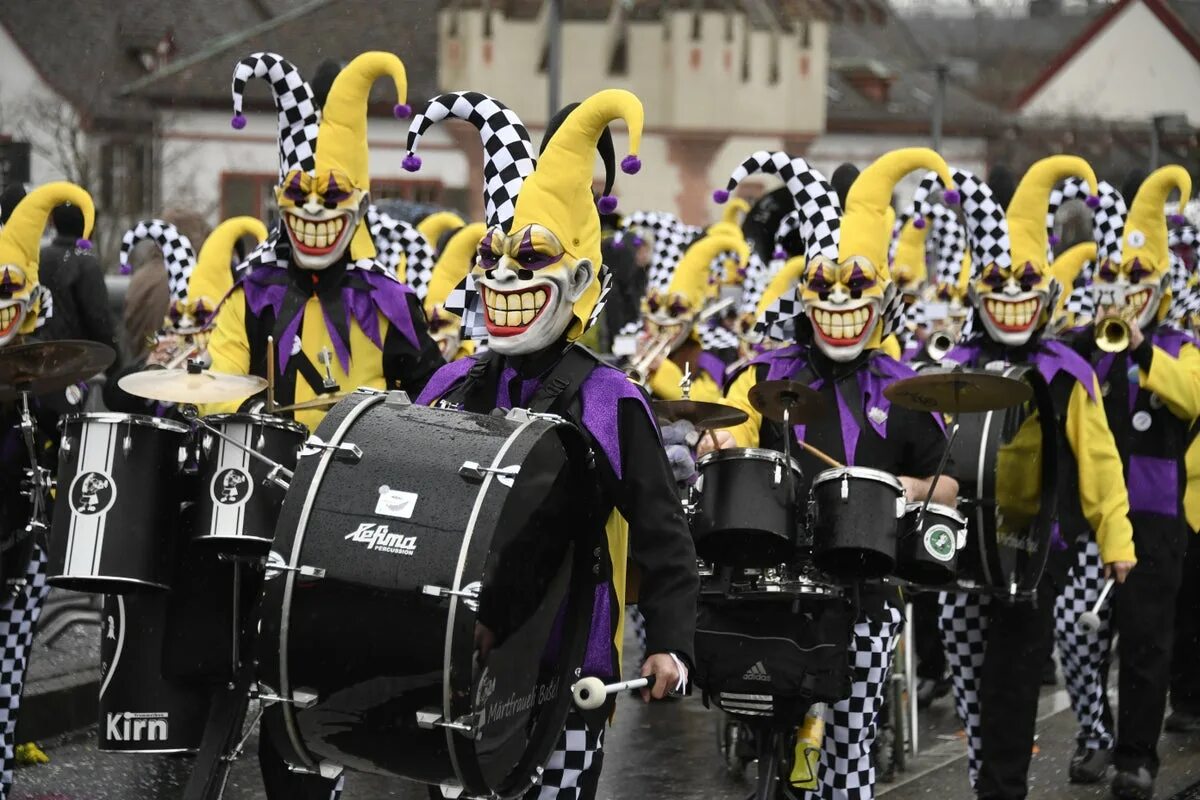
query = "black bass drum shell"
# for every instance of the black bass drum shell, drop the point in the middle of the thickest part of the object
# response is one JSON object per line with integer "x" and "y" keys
{"x": 118, "y": 479}
{"x": 142, "y": 710}
{"x": 370, "y": 640}
{"x": 1006, "y": 465}
{"x": 746, "y": 511}
{"x": 236, "y": 506}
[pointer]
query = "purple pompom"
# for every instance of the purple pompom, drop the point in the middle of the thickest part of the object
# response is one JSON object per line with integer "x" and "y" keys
{"x": 919, "y": 223}
{"x": 637, "y": 241}
{"x": 83, "y": 244}
{"x": 411, "y": 162}
{"x": 126, "y": 269}
{"x": 1092, "y": 201}
{"x": 951, "y": 197}
{"x": 238, "y": 122}
{"x": 1177, "y": 219}
{"x": 631, "y": 165}
{"x": 779, "y": 254}
{"x": 1054, "y": 240}
{"x": 402, "y": 110}
{"x": 720, "y": 196}
{"x": 607, "y": 204}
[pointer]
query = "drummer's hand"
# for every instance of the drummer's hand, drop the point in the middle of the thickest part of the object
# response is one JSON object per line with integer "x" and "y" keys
{"x": 667, "y": 675}
{"x": 1118, "y": 570}
{"x": 724, "y": 442}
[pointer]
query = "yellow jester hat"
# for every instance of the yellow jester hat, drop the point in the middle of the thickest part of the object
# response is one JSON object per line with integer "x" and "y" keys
{"x": 1029, "y": 240}
{"x": 558, "y": 194}
{"x": 868, "y": 219}
{"x": 1145, "y": 254}
{"x": 342, "y": 137}
{"x": 20, "y": 247}
{"x": 212, "y": 277}
{"x": 691, "y": 285}
{"x": 437, "y": 225}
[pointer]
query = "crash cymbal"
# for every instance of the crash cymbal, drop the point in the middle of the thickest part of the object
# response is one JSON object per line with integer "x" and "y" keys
{"x": 958, "y": 391}
{"x": 43, "y": 367}
{"x": 704, "y": 416}
{"x": 190, "y": 385}
{"x": 803, "y": 404}
{"x": 322, "y": 401}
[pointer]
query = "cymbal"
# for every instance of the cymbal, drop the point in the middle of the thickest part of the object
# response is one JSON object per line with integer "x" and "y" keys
{"x": 319, "y": 402}
{"x": 704, "y": 416}
{"x": 43, "y": 367}
{"x": 189, "y": 386}
{"x": 770, "y": 398}
{"x": 958, "y": 391}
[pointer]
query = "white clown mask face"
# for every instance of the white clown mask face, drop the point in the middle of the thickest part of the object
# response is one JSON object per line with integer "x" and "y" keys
{"x": 529, "y": 286}
{"x": 321, "y": 214}
{"x": 843, "y": 302}
{"x": 1011, "y": 302}
{"x": 16, "y": 296}
{"x": 1132, "y": 288}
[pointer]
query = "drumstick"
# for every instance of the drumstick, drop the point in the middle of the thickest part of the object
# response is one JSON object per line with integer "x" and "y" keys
{"x": 270, "y": 374}
{"x": 1089, "y": 621}
{"x": 589, "y": 693}
{"x": 821, "y": 455}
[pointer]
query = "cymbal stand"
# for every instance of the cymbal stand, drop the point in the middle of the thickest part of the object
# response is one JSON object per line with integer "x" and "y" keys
{"x": 40, "y": 483}
{"x": 277, "y": 469}
{"x": 941, "y": 469}
{"x": 768, "y": 741}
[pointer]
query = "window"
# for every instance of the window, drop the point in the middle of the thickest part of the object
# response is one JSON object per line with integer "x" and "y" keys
{"x": 697, "y": 26}
{"x": 773, "y": 67}
{"x": 805, "y": 35}
{"x": 746, "y": 54}
{"x": 126, "y": 176}
{"x": 728, "y": 27}
{"x": 618, "y": 62}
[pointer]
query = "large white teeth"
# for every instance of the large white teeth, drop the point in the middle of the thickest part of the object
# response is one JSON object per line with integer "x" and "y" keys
{"x": 318, "y": 235}
{"x": 1012, "y": 314}
{"x": 513, "y": 309}
{"x": 847, "y": 324}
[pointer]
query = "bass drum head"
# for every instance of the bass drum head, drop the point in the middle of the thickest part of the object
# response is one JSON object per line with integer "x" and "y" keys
{"x": 1006, "y": 464}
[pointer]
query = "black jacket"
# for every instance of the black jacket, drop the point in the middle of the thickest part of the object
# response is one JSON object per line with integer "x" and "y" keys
{"x": 76, "y": 281}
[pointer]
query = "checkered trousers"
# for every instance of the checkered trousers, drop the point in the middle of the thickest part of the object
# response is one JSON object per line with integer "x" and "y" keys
{"x": 963, "y": 625}
{"x": 508, "y": 157}
{"x": 299, "y": 117}
{"x": 401, "y": 247}
{"x": 18, "y": 618}
{"x": 179, "y": 256}
{"x": 573, "y": 770}
{"x": 846, "y": 771}
{"x": 1083, "y": 655}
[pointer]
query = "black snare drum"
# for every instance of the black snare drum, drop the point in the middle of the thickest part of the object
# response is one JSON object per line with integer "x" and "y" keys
{"x": 1005, "y": 462}
{"x": 745, "y": 508}
{"x": 452, "y": 535}
{"x": 141, "y": 710}
{"x": 854, "y": 514}
{"x": 119, "y": 477}
{"x": 929, "y": 543}
{"x": 238, "y": 504}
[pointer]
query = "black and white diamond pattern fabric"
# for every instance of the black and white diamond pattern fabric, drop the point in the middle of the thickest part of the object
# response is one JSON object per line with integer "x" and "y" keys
{"x": 1080, "y": 305}
{"x": 758, "y": 275}
{"x": 820, "y": 211}
{"x": 1185, "y": 236}
{"x": 717, "y": 338}
{"x": 20, "y": 615}
{"x": 179, "y": 256}
{"x": 42, "y": 293}
{"x": 1179, "y": 280}
{"x": 893, "y": 311}
{"x": 788, "y": 225}
{"x": 573, "y": 771}
{"x": 395, "y": 240}
{"x": 963, "y": 626}
{"x": 670, "y": 238}
{"x": 778, "y": 320}
{"x": 987, "y": 227}
{"x": 949, "y": 242}
{"x": 508, "y": 155}
{"x": 1108, "y": 218}
{"x": 299, "y": 117}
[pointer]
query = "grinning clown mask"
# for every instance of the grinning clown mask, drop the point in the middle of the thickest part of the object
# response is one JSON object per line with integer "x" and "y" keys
{"x": 1141, "y": 281}
{"x": 529, "y": 285}
{"x": 320, "y": 214}
{"x": 844, "y": 302}
{"x": 20, "y": 248}
{"x": 1012, "y": 301}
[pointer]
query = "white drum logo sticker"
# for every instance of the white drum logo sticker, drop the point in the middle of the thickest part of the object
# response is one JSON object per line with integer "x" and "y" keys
{"x": 231, "y": 486}
{"x": 378, "y": 537}
{"x": 395, "y": 503}
{"x": 940, "y": 542}
{"x": 92, "y": 493}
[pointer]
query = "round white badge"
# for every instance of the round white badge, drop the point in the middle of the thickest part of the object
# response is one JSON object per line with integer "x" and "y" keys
{"x": 1136, "y": 238}
{"x": 1142, "y": 421}
{"x": 296, "y": 345}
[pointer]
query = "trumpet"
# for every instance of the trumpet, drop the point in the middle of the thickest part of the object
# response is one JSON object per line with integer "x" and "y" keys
{"x": 1111, "y": 334}
{"x": 639, "y": 369}
{"x": 938, "y": 345}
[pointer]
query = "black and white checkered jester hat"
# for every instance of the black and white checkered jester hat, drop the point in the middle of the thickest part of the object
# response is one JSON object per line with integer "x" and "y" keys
{"x": 1108, "y": 214}
{"x": 402, "y": 250}
{"x": 670, "y": 238}
{"x": 299, "y": 116}
{"x": 508, "y": 157}
{"x": 179, "y": 257}
{"x": 1185, "y": 236}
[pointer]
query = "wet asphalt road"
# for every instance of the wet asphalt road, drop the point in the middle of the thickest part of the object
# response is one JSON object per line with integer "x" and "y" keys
{"x": 667, "y": 750}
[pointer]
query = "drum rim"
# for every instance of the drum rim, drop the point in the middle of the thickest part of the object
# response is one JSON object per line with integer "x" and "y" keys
{"x": 249, "y": 418}
{"x": 944, "y": 510}
{"x": 116, "y": 418}
{"x": 745, "y": 454}
{"x": 865, "y": 473}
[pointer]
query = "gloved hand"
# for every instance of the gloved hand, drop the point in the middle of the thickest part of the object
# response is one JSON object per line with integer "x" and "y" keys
{"x": 678, "y": 439}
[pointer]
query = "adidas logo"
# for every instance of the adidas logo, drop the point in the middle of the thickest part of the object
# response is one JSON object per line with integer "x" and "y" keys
{"x": 757, "y": 673}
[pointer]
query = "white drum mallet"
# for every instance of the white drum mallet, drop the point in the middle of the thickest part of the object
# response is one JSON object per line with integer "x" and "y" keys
{"x": 1089, "y": 621}
{"x": 591, "y": 693}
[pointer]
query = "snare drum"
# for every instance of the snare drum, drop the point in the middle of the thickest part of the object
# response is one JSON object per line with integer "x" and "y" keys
{"x": 745, "y": 508}
{"x": 442, "y": 527}
{"x": 238, "y": 503}
{"x": 854, "y": 513}
{"x": 119, "y": 476}
{"x": 927, "y": 552}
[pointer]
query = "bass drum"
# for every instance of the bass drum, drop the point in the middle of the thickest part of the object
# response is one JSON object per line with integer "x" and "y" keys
{"x": 430, "y": 600}
{"x": 1006, "y": 464}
